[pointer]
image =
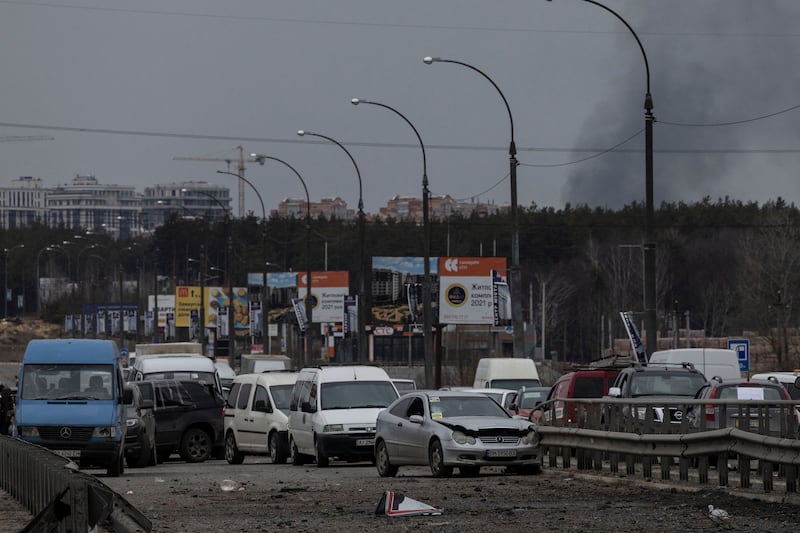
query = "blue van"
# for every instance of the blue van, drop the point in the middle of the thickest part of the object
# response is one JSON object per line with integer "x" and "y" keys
{"x": 70, "y": 400}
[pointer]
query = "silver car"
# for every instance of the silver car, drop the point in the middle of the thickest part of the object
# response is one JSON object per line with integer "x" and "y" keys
{"x": 447, "y": 429}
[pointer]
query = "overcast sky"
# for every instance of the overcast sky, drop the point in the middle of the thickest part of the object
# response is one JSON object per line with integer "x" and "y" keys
{"x": 151, "y": 80}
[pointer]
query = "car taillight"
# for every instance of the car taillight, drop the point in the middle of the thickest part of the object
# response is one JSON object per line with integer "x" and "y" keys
{"x": 710, "y": 411}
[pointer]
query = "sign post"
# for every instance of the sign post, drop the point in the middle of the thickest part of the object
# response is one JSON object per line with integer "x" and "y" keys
{"x": 742, "y": 349}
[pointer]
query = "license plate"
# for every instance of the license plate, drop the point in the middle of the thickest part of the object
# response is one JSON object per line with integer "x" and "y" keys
{"x": 501, "y": 453}
{"x": 365, "y": 442}
{"x": 68, "y": 453}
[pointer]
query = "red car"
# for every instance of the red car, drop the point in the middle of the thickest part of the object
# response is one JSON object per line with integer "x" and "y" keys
{"x": 583, "y": 383}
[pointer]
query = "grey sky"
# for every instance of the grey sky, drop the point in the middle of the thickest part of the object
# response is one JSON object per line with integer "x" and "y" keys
{"x": 573, "y": 76}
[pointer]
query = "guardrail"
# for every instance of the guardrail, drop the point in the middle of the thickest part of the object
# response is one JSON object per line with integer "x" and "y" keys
{"x": 602, "y": 433}
{"x": 59, "y": 496}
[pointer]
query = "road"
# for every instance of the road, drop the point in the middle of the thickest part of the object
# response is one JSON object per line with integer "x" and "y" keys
{"x": 187, "y": 497}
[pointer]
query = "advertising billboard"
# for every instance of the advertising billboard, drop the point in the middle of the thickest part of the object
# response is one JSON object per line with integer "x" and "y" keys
{"x": 328, "y": 290}
{"x": 473, "y": 290}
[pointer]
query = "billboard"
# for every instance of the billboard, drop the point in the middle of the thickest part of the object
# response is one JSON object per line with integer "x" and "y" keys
{"x": 397, "y": 289}
{"x": 328, "y": 290}
{"x": 473, "y": 290}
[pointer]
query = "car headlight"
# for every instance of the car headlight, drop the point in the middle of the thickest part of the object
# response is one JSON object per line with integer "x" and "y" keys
{"x": 132, "y": 422}
{"x": 28, "y": 431}
{"x": 532, "y": 438}
{"x": 462, "y": 438}
{"x": 332, "y": 428}
{"x": 108, "y": 431}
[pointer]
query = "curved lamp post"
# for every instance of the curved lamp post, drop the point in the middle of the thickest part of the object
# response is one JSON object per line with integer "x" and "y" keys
{"x": 427, "y": 329}
{"x": 5, "y": 276}
{"x": 309, "y": 308}
{"x": 649, "y": 246}
{"x": 362, "y": 337}
{"x": 515, "y": 274}
{"x": 264, "y": 286}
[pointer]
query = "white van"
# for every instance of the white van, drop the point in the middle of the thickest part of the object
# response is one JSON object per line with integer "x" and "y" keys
{"x": 506, "y": 373}
{"x": 256, "y": 416}
{"x": 333, "y": 412}
{"x": 187, "y": 366}
{"x": 711, "y": 362}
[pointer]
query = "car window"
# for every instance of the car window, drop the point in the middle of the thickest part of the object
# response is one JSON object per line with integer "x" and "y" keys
{"x": 588, "y": 387}
{"x": 400, "y": 409}
{"x": 234, "y": 392}
{"x": 244, "y": 396}
{"x": 261, "y": 394}
{"x": 735, "y": 393}
{"x": 358, "y": 394}
{"x": 673, "y": 384}
{"x": 146, "y": 390}
{"x": 280, "y": 395}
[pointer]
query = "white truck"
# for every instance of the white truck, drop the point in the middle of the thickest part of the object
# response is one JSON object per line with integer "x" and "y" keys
{"x": 257, "y": 363}
{"x": 506, "y": 373}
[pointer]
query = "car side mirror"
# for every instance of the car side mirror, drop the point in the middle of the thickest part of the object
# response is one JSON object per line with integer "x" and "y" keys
{"x": 306, "y": 407}
{"x": 146, "y": 404}
{"x": 127, "y": 396}
{"x": 614, "y": 392}
{"x": 416, "y": 419}
{"x": 513, "y": 407}
{"x": 262, "y": 407}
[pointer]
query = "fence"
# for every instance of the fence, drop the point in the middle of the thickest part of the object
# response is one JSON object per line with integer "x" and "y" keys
{"x": 648, "y": 434}
{"x": 59, "y": 496}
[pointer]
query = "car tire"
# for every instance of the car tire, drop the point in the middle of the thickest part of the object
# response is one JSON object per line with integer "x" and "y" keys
{"x": 436, "y": 461}
{"x": 232, "y": 453}
{"x": 323, "y": 461}
{"x": 297, "y": 458}
{"x": 117, "y": 466}
{"x": 141, "y": 459}
{"x": 277, "y": 450}
{"x": 382, "y": 463}
{"x": 195, "y": 446}
{"x": 153, "y": 454}
{"x": 469, "y": 471}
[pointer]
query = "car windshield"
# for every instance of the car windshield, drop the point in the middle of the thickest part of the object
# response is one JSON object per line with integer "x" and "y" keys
{"x": 667, "y": 384}
{"x": 455, "y": 406}
{"x": 529, "y": 398}
{"x": 357, "y": 394}
{"x": 281, "y": 395}
{"x": 514, "y": 384}
{"x": 68, "y": 382}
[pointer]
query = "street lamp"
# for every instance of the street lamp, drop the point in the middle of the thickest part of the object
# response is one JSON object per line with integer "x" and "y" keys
{"x": 362, "y": 336}
{"x": 265, "y": 289}
{"x": 5, "y": 277}
{"x": 309, "y": 308}
{"x": 649, "y": 245}
{"x": 515, "y": 274}
{"x": 427, "y": 329}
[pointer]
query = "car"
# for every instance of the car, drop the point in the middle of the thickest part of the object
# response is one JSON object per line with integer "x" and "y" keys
{"x": 787, "y": 379}
{"x": 658, "y": 381}
{"x": 580, "y": 383}
{"x": 453, "y": 429}
{"x": 526, "y": 399}
{"x": 140, "y": 439}
{"x": 744, "y": 417}
{"x": 404, "y": 385}
{"x": 256, "y": 416}
{"x": 188, "y": 418}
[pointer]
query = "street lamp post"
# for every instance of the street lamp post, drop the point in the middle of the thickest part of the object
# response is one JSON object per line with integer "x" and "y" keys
{"x": 264, "y": 287}
{"x": 651, "y": 341}
{"x": 427, "y": 328}
{"x": 515, "y": 273}
{"x": 309, "y": 308}
{"x": 362, "y": 336}
{"x": 5, "y": 277}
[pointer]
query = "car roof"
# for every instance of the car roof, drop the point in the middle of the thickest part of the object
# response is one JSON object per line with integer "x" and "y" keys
{"x": 268, "y": 378}
{"x": 483, "y": 391}
{"x": 446, "y": 393}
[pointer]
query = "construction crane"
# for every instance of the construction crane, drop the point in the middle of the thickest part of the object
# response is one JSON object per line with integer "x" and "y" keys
{"x": 228, "y": 160}
{"x": 16, "y": 138}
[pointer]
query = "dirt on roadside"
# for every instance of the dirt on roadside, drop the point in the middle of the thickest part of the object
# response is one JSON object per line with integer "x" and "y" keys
{"x": 15, "y": 334}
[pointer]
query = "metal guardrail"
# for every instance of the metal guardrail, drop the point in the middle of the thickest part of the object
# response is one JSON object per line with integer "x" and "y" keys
{"x": 59, "y": 496}
{"x": 602, "y": 433}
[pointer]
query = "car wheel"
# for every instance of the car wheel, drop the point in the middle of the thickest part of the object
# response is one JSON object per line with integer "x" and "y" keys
{"x": 143, "y": 458}
{"x": 117, "y": 466}
{"x": 322, "y": 459}
{"x": 195, "y": 446}
{"x": 153, "y": 454}
{"x": 385, "y": 468}
{"x": 436, "y": 459}
{"x": 277, "y": 451}
{"x": 469, "y": 471}
{"x": 297, "y": 458}
{"x": 232, "y": 453}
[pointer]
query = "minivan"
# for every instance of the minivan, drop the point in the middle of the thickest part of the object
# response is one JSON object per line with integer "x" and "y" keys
{"x": 70, "y": 400}
{"x": 506, "y": 373}
{"x": 333, "y": 412}
{"x": 711, "y": 362}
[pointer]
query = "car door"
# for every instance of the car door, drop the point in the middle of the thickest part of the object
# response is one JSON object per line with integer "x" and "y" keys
{"x": 392, "y": 424}
{"x": 259, "y": 411}
{"x": 414, "y": 443}
{"x": 169, "y": 411}
{"x": 244, "y": 420}
{"x": 300, "y": 422}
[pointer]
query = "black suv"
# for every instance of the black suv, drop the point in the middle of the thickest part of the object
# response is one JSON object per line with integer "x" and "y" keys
{"x": 188, "y": 418}
{"x": 658, "y": 381}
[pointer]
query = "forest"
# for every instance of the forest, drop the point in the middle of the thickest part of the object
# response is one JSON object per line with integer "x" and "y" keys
{"x": 724, "y": 266}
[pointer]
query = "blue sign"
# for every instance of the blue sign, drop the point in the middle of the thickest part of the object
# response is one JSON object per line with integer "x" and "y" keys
{"x": 742, "y": 349}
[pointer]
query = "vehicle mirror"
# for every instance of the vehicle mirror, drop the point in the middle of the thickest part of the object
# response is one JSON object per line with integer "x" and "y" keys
{"x": 127, "y": 396}
{"x": 614, "y": 392}
{"x": 306, "y": 407}
{"x": 417, "y": 419}
{"x": 513, "y": 406}
{"x": 262, "y": 407}
{"x": 146, "y": 404}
